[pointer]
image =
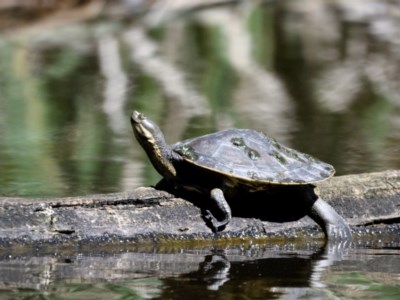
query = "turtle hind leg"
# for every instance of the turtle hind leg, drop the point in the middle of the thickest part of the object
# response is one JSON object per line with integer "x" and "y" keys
{"x": 334, "y": 225}
{"x": 217, "y": 196}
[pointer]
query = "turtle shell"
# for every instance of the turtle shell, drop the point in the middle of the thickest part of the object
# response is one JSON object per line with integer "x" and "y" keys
{"x": 249, "y": 155}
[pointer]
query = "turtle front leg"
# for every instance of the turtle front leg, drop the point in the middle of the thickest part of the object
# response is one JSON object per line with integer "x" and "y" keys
{"x": 335, "y": 227}
{"x": 219, "y": 199}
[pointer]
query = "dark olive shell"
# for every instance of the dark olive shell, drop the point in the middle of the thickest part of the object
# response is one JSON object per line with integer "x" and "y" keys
{"x": 249, "y": 155}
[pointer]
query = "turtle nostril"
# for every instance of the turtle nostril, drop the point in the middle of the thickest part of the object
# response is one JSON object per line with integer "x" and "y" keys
{"x": 137, "y": 117}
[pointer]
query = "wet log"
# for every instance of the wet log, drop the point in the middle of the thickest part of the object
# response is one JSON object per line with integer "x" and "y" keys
{"x": 369, "y": 202}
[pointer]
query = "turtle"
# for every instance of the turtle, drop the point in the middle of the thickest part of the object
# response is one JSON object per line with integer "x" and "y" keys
{"x": 220, "y": 163}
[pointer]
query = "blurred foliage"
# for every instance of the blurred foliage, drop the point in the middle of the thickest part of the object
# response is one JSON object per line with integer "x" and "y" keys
{"x": 194, "y": 71}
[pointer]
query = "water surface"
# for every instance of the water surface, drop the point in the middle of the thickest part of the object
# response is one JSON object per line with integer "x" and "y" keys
{"x": 280, "y": 271}
{"x": 318, "y": 78}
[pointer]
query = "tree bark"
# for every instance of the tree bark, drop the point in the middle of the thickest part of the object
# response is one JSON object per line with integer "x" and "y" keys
{"x": 369, "y": 202}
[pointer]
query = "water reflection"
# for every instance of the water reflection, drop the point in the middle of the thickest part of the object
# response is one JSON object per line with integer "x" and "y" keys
{"x": 290, "y": 270}
{"x": 320, "y": 78}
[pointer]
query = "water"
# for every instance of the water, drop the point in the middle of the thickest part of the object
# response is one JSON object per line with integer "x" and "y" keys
{"x": 288, "y": 271}
{"x": 66, "y": 93}
{"x": 321, "y": 79}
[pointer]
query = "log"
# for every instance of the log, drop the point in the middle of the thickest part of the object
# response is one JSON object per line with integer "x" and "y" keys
{"x": 370, "y": 203}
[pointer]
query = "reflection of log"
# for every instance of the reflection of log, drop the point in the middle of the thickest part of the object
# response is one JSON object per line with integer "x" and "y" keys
{"x": 149, "y": 215}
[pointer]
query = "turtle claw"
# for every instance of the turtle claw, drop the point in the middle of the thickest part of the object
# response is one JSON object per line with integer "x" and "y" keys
{"x": 335, "y": 227}
{"x": 213, "y": 222}
{"x": 338, "y": 232}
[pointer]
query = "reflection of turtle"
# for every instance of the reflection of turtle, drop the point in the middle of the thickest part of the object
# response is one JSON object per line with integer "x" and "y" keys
{"x": 237, "y": 159}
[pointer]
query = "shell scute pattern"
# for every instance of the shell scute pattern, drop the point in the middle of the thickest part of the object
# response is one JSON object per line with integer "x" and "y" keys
{"x": 251, "y": 155}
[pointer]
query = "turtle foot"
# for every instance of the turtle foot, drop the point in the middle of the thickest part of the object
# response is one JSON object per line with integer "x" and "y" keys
{"x": 213, "y": 222}
{"x": 335, "y": 226}
{"x": 338, "y": 232}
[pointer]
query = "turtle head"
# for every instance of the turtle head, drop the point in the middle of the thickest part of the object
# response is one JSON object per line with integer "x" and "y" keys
{"x": 151, "y": 138}
{"x": 145, "y": 130}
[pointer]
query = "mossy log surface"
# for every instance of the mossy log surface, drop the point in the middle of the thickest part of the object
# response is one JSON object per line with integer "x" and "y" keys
{"x": 370, "y": 203}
